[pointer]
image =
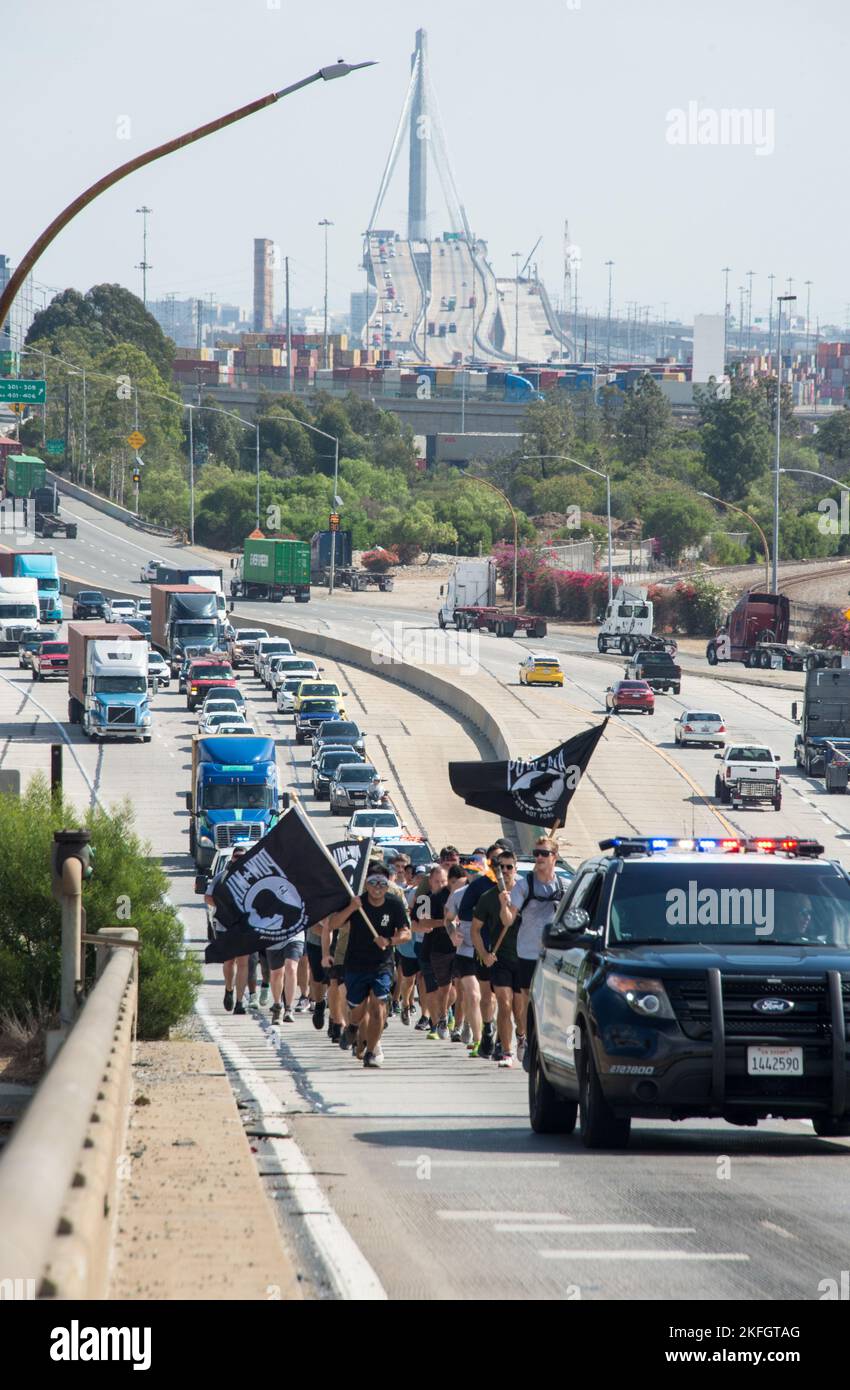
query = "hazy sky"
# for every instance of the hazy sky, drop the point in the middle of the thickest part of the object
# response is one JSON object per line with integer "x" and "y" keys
{"x": 552, "y": 109}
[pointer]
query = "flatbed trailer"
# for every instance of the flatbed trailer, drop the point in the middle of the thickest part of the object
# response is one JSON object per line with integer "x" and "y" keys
{"x": 347, "y": 577}
{"x": 50, "y": 524}
{"x": 498, "y": 621}
{"x": 794, "y": 656}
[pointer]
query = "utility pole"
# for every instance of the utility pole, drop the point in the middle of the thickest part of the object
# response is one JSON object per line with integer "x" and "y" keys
{"x": 610, "y": 265}
{"x": 325, "y": 223}
{"x": 782, "y": 299}
{"x": 575, "y": 307}
{"x": 199, "y": 329}
{"x": 770, "y": 279}
{"x": 517, "y": 257}
{"x": 750, "y": 274}
{"x": 567, "y": 294}
{"x": 808, "y": 284}
{"x": 289, "y": 364}
{"x": 143, "y": 265}
{"x": 726, "y": 270}
{"x": 741, "y": 318}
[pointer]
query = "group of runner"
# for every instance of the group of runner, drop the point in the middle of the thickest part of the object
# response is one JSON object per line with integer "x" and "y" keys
{"x": 454, "y": 942}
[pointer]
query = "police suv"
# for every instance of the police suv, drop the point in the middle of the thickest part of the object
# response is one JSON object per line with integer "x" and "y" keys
{"x": 703, "y": 977}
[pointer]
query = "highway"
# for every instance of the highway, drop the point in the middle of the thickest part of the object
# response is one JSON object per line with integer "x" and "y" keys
{"x": 537, "y": 342}
{"x": 431, "y": 1164}
{"x": 402, "y": 314}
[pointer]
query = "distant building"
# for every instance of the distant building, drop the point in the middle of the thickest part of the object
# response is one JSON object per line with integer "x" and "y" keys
{"x": 263, "y": 285}
{"x": 15, "y": 329}
{"x": 361, "y": 311}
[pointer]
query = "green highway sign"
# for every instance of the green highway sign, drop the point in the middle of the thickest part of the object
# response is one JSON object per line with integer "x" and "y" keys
{"x": 55, "y": 446}
{"x": 25, "y": 389}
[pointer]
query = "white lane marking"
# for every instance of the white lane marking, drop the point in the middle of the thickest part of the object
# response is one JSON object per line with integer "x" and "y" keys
{"x": 779, "y": 1230}
{"x": 640, "y": 1254}
{"x": 600, "y": 1228}
{"x": 501, "y": 1215}
{"x": 346, "y": 1267}
{"x": 111, "y": 534}
{"x": 480, "y": 1162}
{"x": 51, "y": 719}
{"x": 711, "y": 1257}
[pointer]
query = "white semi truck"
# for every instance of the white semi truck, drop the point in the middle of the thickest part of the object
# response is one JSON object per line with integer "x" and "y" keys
{"x": 628, "y": 619}
{"x": 18, "y": 610}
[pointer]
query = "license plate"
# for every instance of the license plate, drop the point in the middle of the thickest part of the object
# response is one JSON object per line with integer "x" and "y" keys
{"x": 775, "y": 1061}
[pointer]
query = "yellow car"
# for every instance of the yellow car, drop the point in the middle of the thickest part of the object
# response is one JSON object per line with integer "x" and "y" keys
{"x": 542, "y": 669}
{"x": 325, "y": 690}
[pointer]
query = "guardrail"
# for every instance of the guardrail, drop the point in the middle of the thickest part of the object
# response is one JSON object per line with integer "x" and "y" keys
{"x": 60, "y": 1169}
{"x": 102, "y": 504}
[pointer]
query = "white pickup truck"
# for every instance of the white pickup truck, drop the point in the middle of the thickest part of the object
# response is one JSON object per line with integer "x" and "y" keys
{"x": 748, "y": 776}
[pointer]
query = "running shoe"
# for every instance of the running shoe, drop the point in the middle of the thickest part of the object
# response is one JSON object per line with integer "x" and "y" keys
{"x": 423, "y": 1025}
{"x": 405, "y": 1017}
{"x": 287, "y": 1016}
{"x": 303, "y": 1004}
{"x": 486, "y": 1045}
{"x": 506, "y": 1060}
{"x": 228, "y": 1000}
{"x": 239, "y": 1008}
{"x": 396, "y": 1009}
{"x": 466, "y": 1034}
{"x": 450, "y": 1020}
{"x": 457, "y": 1035}
{"x": 275, "y": 1013}
{"x": 433, "y": 1036}
{"x": 473, "y": 1049}
{"x": 319, "y": 1016}
{"x": 252, "y": 1001}
{"x": 497, "y": 1052}
{"x": 335, "y": 1032}
{"x": 348, "y": 1036}
{"x": 264, "y": 996}
{"x": 373, "y": 1059}
{"x": 443, "y": 1030}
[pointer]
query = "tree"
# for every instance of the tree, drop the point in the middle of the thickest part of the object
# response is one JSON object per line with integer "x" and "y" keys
{"x": 548, "y": 426}
{"x": 736, "y": 441}
{"x": 127, "y": 882}
{"x": 108, "y": 314}
{"x": 678, "y": 520}
{"x": 645, "y": 421}
{"x": 588, "y": 417}
{"x": 833, "y": 436}
{"x": 216, "y": 437}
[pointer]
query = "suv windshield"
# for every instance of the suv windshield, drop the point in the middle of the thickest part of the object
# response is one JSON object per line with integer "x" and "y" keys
{"x": 374, "y": 818}
{"x": 206, "y": 673}
{"x": 742, "y": 902}
{"x": 356, "y": 773}
{"x": 237, "y": 797}
{"x": 340, "y": 729}
{"x": 318, "y": 706}
{"x": 329, "y": 762}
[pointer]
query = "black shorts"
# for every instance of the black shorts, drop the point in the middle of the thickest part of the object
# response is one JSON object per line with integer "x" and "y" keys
{"x": 441, "y": 967}
{"x": 336, "y": 974}
{"x": 463, "y": 967}
{"x": 314, "y": 956}
{"x": 483, "y": 972}
{"x": 515, "y": 975}
{"x": 408, "y": 965}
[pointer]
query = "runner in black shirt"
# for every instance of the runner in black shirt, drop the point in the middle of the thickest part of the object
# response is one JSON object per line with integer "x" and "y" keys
{"x": 437, "y": 950}
{"x": 368, "y": 960}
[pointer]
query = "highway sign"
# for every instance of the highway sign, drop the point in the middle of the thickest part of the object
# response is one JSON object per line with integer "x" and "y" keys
{"x": 26, "y": 389}
{"x": 136, "y": 439}
{"x": 55, "y": 446}
{"x": 333, "y": 521}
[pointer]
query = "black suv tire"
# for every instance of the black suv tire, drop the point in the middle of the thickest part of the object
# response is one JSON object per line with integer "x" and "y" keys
{"x": 826, "y": 1127}
{"x": 600, "y": 1127}
{"x": 548, "y": 1113}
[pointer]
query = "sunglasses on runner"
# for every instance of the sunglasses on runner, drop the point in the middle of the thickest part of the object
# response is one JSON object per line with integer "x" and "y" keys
{"x": 377, "y": 880}
{"x": 543, "y": 853}
{"x": 506, "y": 864}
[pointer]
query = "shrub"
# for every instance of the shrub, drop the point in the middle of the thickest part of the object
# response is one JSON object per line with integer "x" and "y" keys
{"x": 127, "y": 888}
{"x": 379, "y": 560}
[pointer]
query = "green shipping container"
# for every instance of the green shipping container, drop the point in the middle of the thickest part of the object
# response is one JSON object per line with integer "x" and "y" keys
{"x": 276, "y": 562}
{"x": 24, "y": 473}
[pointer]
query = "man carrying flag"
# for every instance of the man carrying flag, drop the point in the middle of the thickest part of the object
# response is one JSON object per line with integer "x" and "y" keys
{"x": 378, "y": 923}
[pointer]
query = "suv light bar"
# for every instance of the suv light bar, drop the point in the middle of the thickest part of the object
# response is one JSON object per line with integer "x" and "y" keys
{"x": 652, "y": 844}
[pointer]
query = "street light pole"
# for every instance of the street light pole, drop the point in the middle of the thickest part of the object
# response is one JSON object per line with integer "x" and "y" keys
{"x": 610, "y": 265}
{"x": 19, "y": 275}
{"x": 190, "y": 408}
{"x": 780, "y": 299}
{"x": 517, "y": 255}
{"x": 722, "y": 503}
{"x": 607, "y": 476}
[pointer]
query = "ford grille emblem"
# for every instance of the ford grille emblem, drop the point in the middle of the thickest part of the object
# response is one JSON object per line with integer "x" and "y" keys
{"x": 773, "y": 1006}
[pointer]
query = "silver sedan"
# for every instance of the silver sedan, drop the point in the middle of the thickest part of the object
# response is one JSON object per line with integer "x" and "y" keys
{"x": 699, "y": 726}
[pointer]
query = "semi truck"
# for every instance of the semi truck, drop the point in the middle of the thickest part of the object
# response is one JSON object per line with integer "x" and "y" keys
{"x": 272, "y": 569}
{"x": 235, "y": 792}
{"x": 183, "y": 615}
{"x": 24, "y": 474}
{"x": 628, "y": 619}
{"x": 26, "y": 480}
{"x": 18, "y": 610}
{"x": 822, "y": 744}
{"x": 41, "y": 566}
{"x": 320, "y": 553}
{"x": 108, "y": 681}
{"x": 48, "y": 519}
{"x": 469, "y": 601}
{"x": 756, "y": 632}
{"x": 204, "y": 579}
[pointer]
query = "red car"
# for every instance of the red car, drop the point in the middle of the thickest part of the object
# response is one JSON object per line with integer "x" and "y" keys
{"x": 623, "y": 695}
{"x": 203, "y": 674}
{"x": 51, "y": 659}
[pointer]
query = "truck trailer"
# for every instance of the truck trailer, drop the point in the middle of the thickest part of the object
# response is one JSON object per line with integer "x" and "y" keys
{"x": 41, "y": 566}
{"x": 108, "y": 681}
{"x": 269, "y": 570}
{"x": 469, "y": 601}
{"x": 18, "y": 610}
{"x": 756, "y": 632}
{"x": 823, "y": 715}
{"x": 183, "y": 615}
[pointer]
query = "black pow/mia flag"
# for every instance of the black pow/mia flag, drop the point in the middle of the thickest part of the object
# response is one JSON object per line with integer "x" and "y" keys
{"x": 352, "y": 859}
{"x": 537, "y": 792}
{"x": 285, "y": 883}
